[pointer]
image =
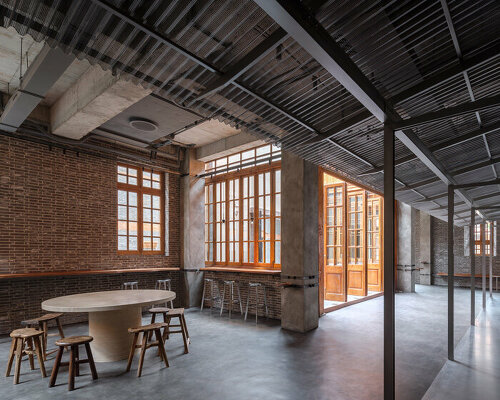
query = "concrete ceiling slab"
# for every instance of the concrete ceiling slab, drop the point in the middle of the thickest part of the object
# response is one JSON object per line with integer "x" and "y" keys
{"x": 206, "y": 132}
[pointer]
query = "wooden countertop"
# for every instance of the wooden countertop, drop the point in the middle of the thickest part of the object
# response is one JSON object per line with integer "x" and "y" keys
{"x": 83, "y": 272}
{"x": 243, "y": 270}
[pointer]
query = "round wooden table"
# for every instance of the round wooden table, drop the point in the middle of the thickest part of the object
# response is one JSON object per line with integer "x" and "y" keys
{"x": 111, "y": 313}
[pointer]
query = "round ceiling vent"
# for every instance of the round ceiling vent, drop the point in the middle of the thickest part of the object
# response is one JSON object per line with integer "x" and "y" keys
{"x": 142, "y": 124}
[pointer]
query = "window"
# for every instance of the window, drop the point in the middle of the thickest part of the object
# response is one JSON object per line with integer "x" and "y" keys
{"x": 334, "y": 225}
{"x": 373, "y": 229}
{"x": 243, "y": 209}
{"x": 479, "y": 231}
{"x": 140, "y": 210}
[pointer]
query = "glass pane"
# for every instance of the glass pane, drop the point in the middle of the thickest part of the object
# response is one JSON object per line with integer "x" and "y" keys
{"x": 132, "y": 199}
{"x": 277, "y": 205}
{"x": 146, "y": 215}
{"x": 132, "y": 172}
{"x": 329, "y": 217}
{"x": 122, "y": 179}
{"x": 146, "y": 244}
{"x": 261, "y": 252}
{"x": 268, "y": 252}
{"x": 122, "y": 212}
{"x": 156, "y": 216}
{"x": 156, "y": 177}
{"x": 146, "y": 175}
{"x": 132, "y": 228}
{"x": 156, "y": 244}
{"x": 122, "y": 228}
{"x": 122, "y": 197}
{"x": 330, "y": 200}
{"x": 245, "y": 252}
{"x": 122, "y": 243}
{"x": 132, "y": 243}
{"x": 277, "y": 182}
{"x": 277, "y": 253}
{"x": 146, "y": 200}
{"x": 156, "y": 230}
{"x": 329, "y": 236}
{"x": 156, "y": 185}
{"x": 268, "y": 182}
{"x": 251, "y": 252}
{"x": 122, "y": 170}
{"x": 277, "y": 229}
{"x": 146, "y": 229}
{"x": 146, "y": 183}
{"x": 329, "y": 255}
{"x": 132, "y": 181}
{"x": 339, "y": 216}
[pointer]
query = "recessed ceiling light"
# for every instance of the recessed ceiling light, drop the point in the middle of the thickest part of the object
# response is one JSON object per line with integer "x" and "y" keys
{"x": 142, "y": 124}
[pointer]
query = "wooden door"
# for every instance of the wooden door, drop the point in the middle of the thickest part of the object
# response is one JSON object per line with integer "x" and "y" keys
{"x": 373, "y": 245}
{"x": 356, "y": 268}
{"x": 334, "y": 282}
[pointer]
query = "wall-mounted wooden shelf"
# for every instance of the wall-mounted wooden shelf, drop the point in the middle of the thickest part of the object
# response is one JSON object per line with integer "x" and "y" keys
{"x": 460, "y": 275}
{"x": 243, "y": 270}
{"x": 83, "y": 272}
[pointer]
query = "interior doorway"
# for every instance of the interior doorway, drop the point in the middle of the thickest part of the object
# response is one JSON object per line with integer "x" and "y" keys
{"x": 351, "y": 265}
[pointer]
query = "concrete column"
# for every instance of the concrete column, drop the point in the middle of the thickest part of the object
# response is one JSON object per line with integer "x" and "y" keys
{"x": 299, "y": 268}
{"x": 425, "y": 248}
{"x": 193, "y": 226}
{"x": 406, "y": 248}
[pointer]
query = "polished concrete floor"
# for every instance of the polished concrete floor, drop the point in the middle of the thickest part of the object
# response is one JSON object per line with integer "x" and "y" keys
{"x": 232, "y": 359}
{"x": 475, "y": 371}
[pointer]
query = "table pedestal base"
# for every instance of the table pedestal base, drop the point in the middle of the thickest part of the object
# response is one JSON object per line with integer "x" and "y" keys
{"x": 110, "y": 332}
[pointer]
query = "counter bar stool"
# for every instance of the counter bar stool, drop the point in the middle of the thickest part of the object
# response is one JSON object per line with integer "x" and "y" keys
{"x": 256, "y": 285}
{"x": 74, "y": 359}
{"x": 130, "y": 285}
{"x": 42, "y": 324}
{"x": 146, "y": 330}
{"x": 25, "y": 341}
{"x": 231, "y": 301}
{"x": 165, "y": 284}
{"x": 214, "y": 293}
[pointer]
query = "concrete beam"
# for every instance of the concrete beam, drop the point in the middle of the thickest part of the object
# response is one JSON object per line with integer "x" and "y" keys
{"x": 41, "y": 75}
{"x": 94, "y": 99}
{"x": 230, "y": 145}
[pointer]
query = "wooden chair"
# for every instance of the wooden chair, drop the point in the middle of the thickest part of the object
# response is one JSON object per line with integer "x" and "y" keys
{"x": 25, "y": 341}
{"x": 146, "y": 331}
{"x": 168, "y": 314}
{"x": 42, "y": 324}
{"x": 74, "y": 359}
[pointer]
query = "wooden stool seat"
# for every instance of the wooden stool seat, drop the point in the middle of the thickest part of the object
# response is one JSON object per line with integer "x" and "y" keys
{"x": 175, "y": 312}
{"x": 147, "y": 328}
{"x": 147, "y": 331}
{"x": 25, "y": 341}
{"x": 74, "y": 359}
{"x": 74, "y": 340}
{"x": 159, "y": 310}
{"x": 42, "y": 324}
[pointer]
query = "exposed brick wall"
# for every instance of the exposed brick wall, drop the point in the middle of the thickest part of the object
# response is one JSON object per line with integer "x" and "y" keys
{"x": 272, "y": 283}
{"x": 462, "y": 263}
{"x": 58, "y": 213}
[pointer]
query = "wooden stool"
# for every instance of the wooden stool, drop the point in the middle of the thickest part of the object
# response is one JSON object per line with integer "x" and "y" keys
{"x": 130, "y": 285}
{"x": 74, "y": 359}
{"x": 176, "y": 313}
{"x": 21, "y": 338}
{"x": 145, "y": 330}
{"x": 214, "y": 294}
{"x": 42, "y": 324}
{"x": 165, "y": 284}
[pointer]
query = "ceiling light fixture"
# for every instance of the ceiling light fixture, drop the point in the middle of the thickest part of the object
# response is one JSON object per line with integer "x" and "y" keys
{"x": 142, "y": 124}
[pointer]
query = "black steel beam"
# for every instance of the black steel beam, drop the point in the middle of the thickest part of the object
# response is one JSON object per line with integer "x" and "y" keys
{"x": 389, "y": 265}
{"x": 472, "y": 106}
{"x": 451, "y": 275}
{"x": 492, "y": 207}
{"x": 477, "y": 184}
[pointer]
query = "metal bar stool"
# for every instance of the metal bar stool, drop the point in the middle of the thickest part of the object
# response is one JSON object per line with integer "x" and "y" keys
{"x": 214, "y": 293}
{"x": 256, "y": 285}
{"x": 165, "y": 284}
{"x": 231, "y": 301}
{"x": 130, "y": 285}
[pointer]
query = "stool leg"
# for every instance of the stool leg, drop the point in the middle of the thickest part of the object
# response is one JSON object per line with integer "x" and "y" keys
{"x": 71, "y": 374}
{"x": 203, "y": 296}
{"x": 12, "y": 354}
{"x": 39, "y": 355}
{"x": 161, "y": 347}
{"x": 59, "y": 327}
{"x": 256, "y": 304}
{"x": 90, "y": 357}
{"x": 77, "y": 361}
{"x": 45, "y": 334}
{"x": 29, "y": 345}
{"x": 231, "y": 300}
{"x": 132, "y": 351}
{"x": 171, "y": 301}
{"x": 55, "y": 368}
{"x": 153, "y": 319}
{"x": 222, "y": 301}
{"x": 19, "y": 356}
{"x": 239, "y": 300}
{"x": 143, "y": 353}
{"x": 166, "y": 330}
{"x": 265, "y": 301}
{"x": 186, "y": 328}
{"x": 248, "y": 301}
{"x": 184, "y": 334}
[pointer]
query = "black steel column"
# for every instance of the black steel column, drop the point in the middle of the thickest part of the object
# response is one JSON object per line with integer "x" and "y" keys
{"x": 389, "y": 319}
{"x": 472, "y": 246}
{"x": 451, "y": 273}
{"x": 483, "y": 263}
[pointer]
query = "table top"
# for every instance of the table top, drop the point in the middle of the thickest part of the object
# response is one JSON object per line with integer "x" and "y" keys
{"x": 107, "y": 301}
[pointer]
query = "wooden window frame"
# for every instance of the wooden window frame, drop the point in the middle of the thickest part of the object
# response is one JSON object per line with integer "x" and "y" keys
{"x": 140, "y": 189}
{"x": 254, "y": 171}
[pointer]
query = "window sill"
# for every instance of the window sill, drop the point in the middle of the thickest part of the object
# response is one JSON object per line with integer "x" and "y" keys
{"x": 247, "y": 270}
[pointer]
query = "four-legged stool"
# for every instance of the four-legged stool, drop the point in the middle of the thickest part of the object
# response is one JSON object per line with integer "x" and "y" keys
{"x": 42, "y": 324}
{"x": 165, "y": 284}
{"x": 256, "y": 285}
{"x": 231, "y": 301}
{"x": 214, "y": 293}
{"x": 130, "y": 285}
{"x": 25, "y": 341}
